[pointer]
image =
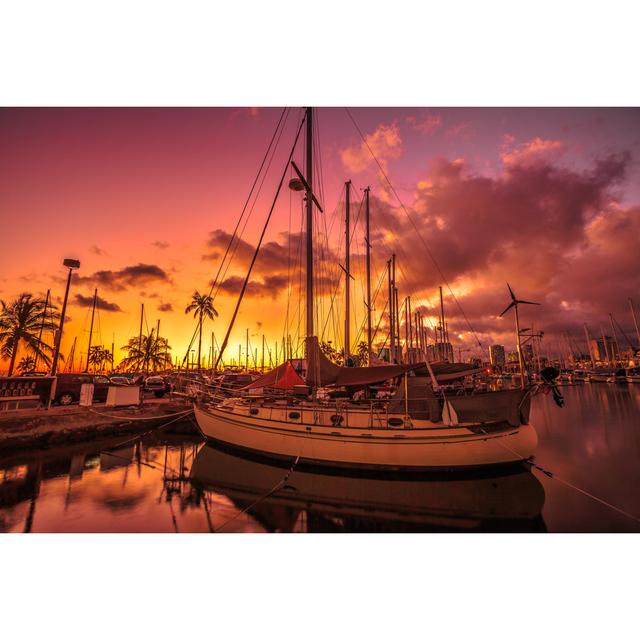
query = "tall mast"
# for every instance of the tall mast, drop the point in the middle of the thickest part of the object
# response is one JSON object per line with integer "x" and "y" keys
{"x": 309, "y": 225}
{"x": 406, "y": 330}
{"x": 246, "y": 352}
{"x": 44, "y": 318}
{"x": 615, "y": 344}
{"x": 586, "y": 335}
{"x": 442, "y": 329}
{"x": 93, "y": 313}
{"x": 410, "y": 325}
{"x": 368, "y": 256}
{"x": 72, "y": 356}
{"x": 140, "y": 338}
{"x": 519, "y": 345}
{"x": 396, "y": 322}
{"x": 635, "y": 322}
{"x": 605, "y": 346}
{"x": 263, "y": 353}
{"x": 392, "y": 345}
{"x": 347, "y": 271}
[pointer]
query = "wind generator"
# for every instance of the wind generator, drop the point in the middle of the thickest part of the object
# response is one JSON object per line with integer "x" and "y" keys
{"x": 514, "y": 303}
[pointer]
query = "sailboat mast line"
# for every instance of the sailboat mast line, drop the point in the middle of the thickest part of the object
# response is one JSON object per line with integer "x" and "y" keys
{"x": 216, "y": 281}
{"x": 258, "y": 246}
{"x": 417, "y": 229}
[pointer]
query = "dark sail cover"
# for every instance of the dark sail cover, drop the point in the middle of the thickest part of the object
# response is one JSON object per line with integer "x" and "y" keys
{"x": 322, "y": 372}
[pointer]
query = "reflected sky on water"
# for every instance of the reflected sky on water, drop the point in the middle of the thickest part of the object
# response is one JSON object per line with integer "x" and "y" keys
{"x": 174, "y": 483}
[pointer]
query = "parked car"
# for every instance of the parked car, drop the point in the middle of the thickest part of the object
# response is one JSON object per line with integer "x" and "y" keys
{"x": 119, "y": 380}
{"x": 156, "y": 384}
{"x": 69, "y": 384}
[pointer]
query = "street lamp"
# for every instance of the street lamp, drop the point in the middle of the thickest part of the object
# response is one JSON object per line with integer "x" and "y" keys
{"x": 71, "y": 265}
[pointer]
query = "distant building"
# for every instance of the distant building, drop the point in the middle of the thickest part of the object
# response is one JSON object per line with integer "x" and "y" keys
{"x": 496, "y": 355}
{"x": 604, "y": 350}
{"x": 512, "y": 356}
{"x": 527, "y": 353}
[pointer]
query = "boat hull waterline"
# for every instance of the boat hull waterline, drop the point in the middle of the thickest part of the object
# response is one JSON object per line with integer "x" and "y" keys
{"x": 425, "y": 445}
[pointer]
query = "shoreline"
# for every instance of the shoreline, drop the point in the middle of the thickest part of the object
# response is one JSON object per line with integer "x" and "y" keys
{"x": 39, "y": 428}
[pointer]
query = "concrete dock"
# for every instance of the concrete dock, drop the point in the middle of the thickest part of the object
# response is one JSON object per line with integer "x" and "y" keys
{"x": 36, "y": 428}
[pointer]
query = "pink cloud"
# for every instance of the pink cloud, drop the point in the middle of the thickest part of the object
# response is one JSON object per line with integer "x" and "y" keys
{"x": 427, "y": 125}
{"x": 536, "y": 150}
{"x": 460, "y": 130}
{"x": 385, "y": 142}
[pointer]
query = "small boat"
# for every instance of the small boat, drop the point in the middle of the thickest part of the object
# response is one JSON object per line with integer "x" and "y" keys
{"x": 632, "y": 374}
{"x": 601, "y": 375}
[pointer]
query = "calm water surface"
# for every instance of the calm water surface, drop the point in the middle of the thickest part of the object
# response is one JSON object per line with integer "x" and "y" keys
{"x": 175, "y": 483}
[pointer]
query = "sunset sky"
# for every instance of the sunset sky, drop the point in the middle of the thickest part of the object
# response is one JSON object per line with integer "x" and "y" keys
{"x": 145, "y": 198}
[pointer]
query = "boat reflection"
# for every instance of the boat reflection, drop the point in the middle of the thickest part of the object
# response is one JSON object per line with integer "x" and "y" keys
{"x": 313, "y": 500}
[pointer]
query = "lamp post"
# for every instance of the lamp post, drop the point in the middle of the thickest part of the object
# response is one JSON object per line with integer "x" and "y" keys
{"x": 71, "y": 265}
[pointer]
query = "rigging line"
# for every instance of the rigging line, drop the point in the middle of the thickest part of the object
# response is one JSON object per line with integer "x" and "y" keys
{"x": 214, "y": 282}
{"x": 257, "y": 250}
{"x": 271, "y": 491}
{"x": 246, "y": 203}
{"x": 255, "y": 200}
{"x": 415, "y": 226}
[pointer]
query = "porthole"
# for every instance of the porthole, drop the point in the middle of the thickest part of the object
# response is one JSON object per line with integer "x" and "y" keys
{"x": 254, "y": 412}
{"x": 395, "y": 422}
{"x": 294, "y": 415}
{"x": 337, "y": 420}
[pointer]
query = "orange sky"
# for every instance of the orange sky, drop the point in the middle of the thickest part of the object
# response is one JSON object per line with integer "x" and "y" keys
{"x": 143, "y": 198}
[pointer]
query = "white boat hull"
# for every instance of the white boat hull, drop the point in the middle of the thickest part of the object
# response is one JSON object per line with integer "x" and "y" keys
{"x": 423, "y": 445}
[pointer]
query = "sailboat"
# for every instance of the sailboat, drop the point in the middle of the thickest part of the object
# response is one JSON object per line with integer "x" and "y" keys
{"x": 423, "y": 426}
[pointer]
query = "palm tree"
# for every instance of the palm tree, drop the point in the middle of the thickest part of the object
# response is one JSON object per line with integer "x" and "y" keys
{"x": 147, "y": 352}
{"x": 201, "y": 306}
{"x": 98, "y": 356}
{"x": 333, "y": 354}
{"x": 26, "y": 364}
{"x": 362, "y": 352}
{"x": 21, "y": 321}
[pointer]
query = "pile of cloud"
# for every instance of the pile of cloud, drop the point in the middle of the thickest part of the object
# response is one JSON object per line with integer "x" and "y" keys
{"x": 559, "y": 235}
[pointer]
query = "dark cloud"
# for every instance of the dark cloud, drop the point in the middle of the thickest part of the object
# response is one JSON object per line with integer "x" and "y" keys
{"x": 165, "y": 306}
{"x": 269, "y": 286}
{"x": 97, "y": 250}
{"x": 557, "y": 235}
{"x": 101, "y": 303}
{"x": 135, "y": 275}
{"x": 160, "y": 244}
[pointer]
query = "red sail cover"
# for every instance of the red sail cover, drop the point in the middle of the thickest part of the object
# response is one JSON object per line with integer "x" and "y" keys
{"x": 282, "y": 377}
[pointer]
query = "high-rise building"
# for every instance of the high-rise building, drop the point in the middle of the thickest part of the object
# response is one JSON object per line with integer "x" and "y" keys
{"x": 527, "y": 353}
{"x": 604, "y": 350}
{"x": 496, "y": 355}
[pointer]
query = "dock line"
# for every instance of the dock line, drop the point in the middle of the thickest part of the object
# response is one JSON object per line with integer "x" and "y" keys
{"x": 131, "y": 418}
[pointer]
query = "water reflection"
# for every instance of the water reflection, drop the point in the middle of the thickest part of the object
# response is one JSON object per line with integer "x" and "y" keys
{"x": 180, "y": 485}
{"x": 312, "y": 500}
{"x": 174, "y": 483}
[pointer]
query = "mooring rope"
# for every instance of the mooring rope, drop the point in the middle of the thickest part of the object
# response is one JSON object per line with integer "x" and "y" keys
{"x": 271, "y": 491}
{"x": 554, "y": 476}
{"x": 134, "y": 419}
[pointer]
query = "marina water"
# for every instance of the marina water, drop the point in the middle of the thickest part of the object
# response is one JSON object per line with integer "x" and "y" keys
{"x": 588, "y": 480}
